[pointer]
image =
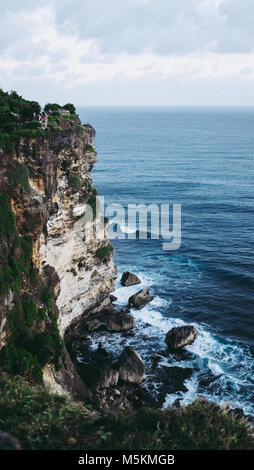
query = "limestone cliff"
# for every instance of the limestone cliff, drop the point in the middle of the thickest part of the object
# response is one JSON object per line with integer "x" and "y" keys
{"x": 49, "y": 183}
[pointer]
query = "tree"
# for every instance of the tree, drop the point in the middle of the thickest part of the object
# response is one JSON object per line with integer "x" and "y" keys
{"x": 70, "y": 107}
{"x": 54, "y": 107}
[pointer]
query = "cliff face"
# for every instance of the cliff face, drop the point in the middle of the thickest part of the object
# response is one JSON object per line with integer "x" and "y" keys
{"x": 46, "y": 207}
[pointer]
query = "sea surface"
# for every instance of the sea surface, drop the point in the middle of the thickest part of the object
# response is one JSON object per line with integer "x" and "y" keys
{"x": 203, "y": 159}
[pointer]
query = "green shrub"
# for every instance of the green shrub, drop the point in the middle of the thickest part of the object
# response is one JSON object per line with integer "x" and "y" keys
{"x": 75, "y": 182}
{"x": 7, "y": 219}
{"x": 90, "y": 148}
{"x": 27, "y": 246}
{"x": 20, "y": 176}
{"x": 16, "y": 360}
{"x": 16, "y": 120}
{"x": 104, "y": 252}
{"x": 29, "y": 309}
{"x": 47, "y": 296}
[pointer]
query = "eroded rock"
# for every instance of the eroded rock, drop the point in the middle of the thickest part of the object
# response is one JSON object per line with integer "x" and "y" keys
{"x": 140, "y": 299}
{"x": 131, "y": 367}
{"x": 108, "y": 378}
{"x": 129, "y": 279}
{"x": 120, "y": 321}
{"x": 181, "y": 336}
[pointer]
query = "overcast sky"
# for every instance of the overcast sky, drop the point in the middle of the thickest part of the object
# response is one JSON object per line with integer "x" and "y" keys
{"x": 129, "y": 52}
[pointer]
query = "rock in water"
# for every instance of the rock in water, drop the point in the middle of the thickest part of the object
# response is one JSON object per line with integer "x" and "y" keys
{"x": 131, "y": 367}
{"x": 129, "y": 279}
{"x": 181, "y": 336}
{"x": 112, "y": 298}
{"x": 140, "y": 299}
{"x": 119, "y": 321}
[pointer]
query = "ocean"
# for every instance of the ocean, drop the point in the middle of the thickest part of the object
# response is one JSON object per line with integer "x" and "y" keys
{"x": 201, "y": 158}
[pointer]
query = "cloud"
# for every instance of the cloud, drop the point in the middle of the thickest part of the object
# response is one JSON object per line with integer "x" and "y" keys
{"x": 61, "y": 48}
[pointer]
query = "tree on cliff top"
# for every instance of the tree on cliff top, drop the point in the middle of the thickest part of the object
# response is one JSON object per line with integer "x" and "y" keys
{"x": 55, "y": 108}
{"x": 70, "y": 107}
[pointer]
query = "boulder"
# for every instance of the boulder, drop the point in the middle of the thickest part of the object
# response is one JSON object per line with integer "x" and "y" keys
{"x": 131, "y": 367}
{"x": 119, "y": 321}
{"x": 8, "y": 442}
{"x": 129, "y": 279}
{"x": 94, "y": 325}
{"x": 140, "y": 299}
{"x": 181, "y": 336}
{"x": 108, "y": 377}
{"x": 112, "y": 298}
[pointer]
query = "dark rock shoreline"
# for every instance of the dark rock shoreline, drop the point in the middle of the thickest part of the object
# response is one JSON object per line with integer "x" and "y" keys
{"x": 116, "y": 382}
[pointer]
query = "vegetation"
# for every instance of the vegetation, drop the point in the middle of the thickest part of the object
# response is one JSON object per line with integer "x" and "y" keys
{"x": 104, "y": 252}
{"x": 90, "y": 194}
{"x": 16, "y": 119}
{"x": 55, "y": 108}
{"x": 7, "y": 219}
{"x": 75, "y": 182}
{"x": 41, "y": 421}
{"x": 28, "y": 350}
{"x": 90, "y": 148}
{"x": 20, "y": 176}
{"x": 70, "y": 107}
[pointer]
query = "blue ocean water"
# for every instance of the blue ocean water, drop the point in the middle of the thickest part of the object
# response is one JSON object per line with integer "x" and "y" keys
{"x": 201, "y": 158}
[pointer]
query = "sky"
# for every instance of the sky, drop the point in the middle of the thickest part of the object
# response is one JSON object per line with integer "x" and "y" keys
{"x": 129, "y": 52}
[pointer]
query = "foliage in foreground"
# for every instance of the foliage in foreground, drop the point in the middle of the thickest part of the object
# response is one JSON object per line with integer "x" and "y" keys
{"x": 35, "y": 339}
{"x": 41, "y": 420}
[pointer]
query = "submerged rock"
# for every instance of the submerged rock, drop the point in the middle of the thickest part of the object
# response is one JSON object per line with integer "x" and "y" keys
{"x": 120, "y": 321}
{"x": 129, "y": 279}
{"x": 140, "y": 299}
{"x": 181, "y": 336}
{"x": 131, "y": 367}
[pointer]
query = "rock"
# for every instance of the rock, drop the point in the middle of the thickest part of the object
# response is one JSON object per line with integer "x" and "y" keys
{"x": 8, "y": 442}
{"x": 181, "y": 336}
{"x": 94, "y": 325}
{"x": 112, "y": 298}
{"x": 120, "y": 321}
{"x": 50, "y": 276}
{"x": 131, "y": 367}
{"x": 125, "y": 310}
{"x": 140, "y": 299}
{"x": 129, "y": 279}
{"x": 108, "y": 377}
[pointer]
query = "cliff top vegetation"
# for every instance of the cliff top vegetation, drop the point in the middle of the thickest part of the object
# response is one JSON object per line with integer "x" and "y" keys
{"x": 23, "y": 118}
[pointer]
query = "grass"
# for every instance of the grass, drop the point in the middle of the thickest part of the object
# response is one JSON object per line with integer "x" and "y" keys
{"x": 200, "y": 426}
{"x": 41, "y": 420}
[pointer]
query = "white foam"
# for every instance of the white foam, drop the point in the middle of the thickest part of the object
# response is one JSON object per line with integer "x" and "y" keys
{"x": 230, "y": 364}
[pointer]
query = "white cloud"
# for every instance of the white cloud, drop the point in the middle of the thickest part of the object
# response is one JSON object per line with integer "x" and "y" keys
{"x": 47, "y": 49}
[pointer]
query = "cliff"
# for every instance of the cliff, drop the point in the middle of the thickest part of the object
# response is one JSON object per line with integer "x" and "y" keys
{"x": 49, "y": 278}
